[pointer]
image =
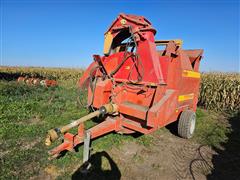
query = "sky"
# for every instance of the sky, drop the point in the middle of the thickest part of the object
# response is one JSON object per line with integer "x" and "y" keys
{"x": 66, "y": 33}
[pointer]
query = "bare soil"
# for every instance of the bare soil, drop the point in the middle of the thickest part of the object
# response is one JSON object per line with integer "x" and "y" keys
{"x": 167, "y": 157}
{"x": 161, "y": 155}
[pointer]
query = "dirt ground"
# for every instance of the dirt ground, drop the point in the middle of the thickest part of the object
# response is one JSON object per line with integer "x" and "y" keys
{"x": 167, "y": 157}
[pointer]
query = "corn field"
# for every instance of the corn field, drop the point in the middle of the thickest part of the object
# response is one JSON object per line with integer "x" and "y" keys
{"x": 11, "y": 73}
{"x": 219, "y": 91}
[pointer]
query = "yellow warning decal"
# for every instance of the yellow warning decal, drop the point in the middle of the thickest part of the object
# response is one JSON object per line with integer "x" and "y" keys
{"x": 192, "y": 74}
{"x": 185, "y": 97}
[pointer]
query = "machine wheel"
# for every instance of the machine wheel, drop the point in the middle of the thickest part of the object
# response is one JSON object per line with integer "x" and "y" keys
{"x": 186, "y": 124}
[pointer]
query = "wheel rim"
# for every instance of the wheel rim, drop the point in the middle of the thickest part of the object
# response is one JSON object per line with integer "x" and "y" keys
{"x": 192, "y": 126}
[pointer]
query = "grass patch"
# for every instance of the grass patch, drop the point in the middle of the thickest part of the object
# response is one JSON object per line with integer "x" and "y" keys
{"x": 27, "y": 112}
{"x": 211, "y": 129}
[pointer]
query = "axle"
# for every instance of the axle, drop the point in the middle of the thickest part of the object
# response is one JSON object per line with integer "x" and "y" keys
{"x": 53, "y": 134}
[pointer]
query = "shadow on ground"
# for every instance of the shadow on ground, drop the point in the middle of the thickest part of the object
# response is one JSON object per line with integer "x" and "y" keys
{"x": 9, "y": 76}
{"x": 226, "y": 163}
{"x": 14, "y": 76}
{"x": 97, "y": 171}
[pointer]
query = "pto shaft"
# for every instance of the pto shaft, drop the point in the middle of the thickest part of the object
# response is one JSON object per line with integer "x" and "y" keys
{"x": 53, "y": 134}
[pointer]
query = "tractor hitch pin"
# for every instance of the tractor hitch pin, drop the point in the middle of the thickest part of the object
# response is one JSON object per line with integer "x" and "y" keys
{"x": 54, "y": 134}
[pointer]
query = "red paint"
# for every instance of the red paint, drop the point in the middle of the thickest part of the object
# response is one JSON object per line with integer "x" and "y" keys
{"x": 146, "y": 87}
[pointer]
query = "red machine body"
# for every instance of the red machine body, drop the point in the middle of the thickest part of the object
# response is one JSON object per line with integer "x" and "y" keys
{"x": 150, "y": 87}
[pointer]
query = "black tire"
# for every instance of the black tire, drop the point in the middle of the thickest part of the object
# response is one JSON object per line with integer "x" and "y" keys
{"x": 186, "y": 124}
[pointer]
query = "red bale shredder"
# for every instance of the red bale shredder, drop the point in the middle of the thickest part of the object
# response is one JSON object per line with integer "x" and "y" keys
{"x": 135, "y": 87}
